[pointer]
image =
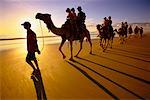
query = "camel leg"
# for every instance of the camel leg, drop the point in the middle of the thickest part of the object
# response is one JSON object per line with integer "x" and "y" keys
{"x": 103, "y": 43}
{"x": 81, "y": 42}
{"x": 100, "y": 41}
{"x": 89, "y": 40}
{"x": 106, "y": 45}
{"x": 112, "y": 38}
{"x": 62, "y": 43}
{"x": 71, "y": 42}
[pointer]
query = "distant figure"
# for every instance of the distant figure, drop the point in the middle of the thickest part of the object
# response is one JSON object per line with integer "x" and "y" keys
{"x": 106, "y": 22}
{"x": 81, "y": 19}
{"x": 130, "y": 31}
{"x": 122, "y": 25}
{"x": 136, "y": 30}
{"x": 110, "y": 24}
{"x": 32, "y": 46}
{"x": 141, "y": 32}
{"x": 110, "y": 21}
{"x": 126, "y": 28}
{"x": 105, "y": 25}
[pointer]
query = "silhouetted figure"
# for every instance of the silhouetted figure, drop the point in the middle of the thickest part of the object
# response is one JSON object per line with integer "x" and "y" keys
{"x": 110, "y": 21}
{"x": 70, "y": 20}
{"x": 70, "y": 15}
{"x": 74, "y": 14}
{"x": 106, "y": 22}
{"x": 141, "y": 32}
{"x": 32, "y": 46}
{"x": 81, "y": 19}
{"x": 130, "y": 31}
{"x": 136, "y": 30}
{"x": 122, "y": 25}
{"x": 74, "y": 21}
{"x": 105, "y": 25}
{"x": 110, "y": 24}
{"x": 126, "y": 29}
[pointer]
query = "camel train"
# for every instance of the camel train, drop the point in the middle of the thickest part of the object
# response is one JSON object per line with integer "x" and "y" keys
{"x": 71, "y": 33}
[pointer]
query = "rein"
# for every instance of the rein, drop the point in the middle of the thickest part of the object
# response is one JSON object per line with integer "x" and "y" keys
{"x": 42, "y": 36}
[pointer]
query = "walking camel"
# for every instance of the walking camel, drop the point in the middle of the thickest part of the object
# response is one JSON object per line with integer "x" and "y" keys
{"x": 106, "y": 37}
{"x": 65, "y": 34}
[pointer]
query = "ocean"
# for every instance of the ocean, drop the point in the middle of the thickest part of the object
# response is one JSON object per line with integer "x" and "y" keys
{"x": 10, "y": 42}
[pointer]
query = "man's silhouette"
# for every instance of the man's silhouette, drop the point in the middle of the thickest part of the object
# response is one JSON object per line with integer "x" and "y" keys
{"x": 141, "y": 31}
{"x": 32, "y": 46}
{"x": 81, "y": 19}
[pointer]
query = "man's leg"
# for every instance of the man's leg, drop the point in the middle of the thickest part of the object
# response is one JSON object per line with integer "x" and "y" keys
{"x": 30, "y": 63}
{"x": 36, "y": 63}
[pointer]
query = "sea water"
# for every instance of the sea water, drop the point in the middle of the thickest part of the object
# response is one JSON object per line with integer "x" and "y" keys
{"x": 15, "y": 42}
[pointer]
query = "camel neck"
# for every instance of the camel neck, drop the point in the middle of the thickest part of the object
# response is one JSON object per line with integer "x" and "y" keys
{"x": 53, "y": 28}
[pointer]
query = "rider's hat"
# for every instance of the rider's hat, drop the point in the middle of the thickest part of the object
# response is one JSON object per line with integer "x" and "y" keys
{"x": 79, "y": 8}
{"x": 26, "y": 24}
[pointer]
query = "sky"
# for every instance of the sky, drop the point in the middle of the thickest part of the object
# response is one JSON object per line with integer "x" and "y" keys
{"x": 15, "y": 12}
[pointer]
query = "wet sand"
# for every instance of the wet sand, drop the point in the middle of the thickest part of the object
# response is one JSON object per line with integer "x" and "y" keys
{"x": 122, "y": 72}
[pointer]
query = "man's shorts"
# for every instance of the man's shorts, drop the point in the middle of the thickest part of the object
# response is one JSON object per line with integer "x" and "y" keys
{"x": 30, "y": 56}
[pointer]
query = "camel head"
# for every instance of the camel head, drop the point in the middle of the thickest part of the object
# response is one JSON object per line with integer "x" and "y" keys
{"x": 98, "y": 26}
{"x": 43, "y": 17}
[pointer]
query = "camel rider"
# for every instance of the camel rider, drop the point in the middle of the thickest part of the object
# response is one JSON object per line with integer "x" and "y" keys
{"x": 110, "y": 21}
{"x": 74, "y": 14}
{"x": 106, "y": 24}
{"x": 122, "y": 25}
{"x": 126, "y": 28}
{"x": 81, "y": 19}
{"x": 70, "y": 20}
{"x": 70, "y": 15}
{"x": 74, "y": 21}
{"x": 110, "y": 24}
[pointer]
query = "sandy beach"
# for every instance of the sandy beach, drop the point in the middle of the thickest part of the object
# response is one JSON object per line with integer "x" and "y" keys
{"x": 121, "y": 72}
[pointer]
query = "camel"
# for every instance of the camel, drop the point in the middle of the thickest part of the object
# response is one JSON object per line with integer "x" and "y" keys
{"x": 121, "y": 34}
{"x": 106, "y": 37}
{"x": 65, "y": 34}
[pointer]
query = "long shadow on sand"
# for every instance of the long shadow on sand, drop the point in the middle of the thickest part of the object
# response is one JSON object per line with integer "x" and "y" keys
{"x": 38, "y": 83}
{"x": 106, "y": 78}
{"x": 131, "y": 76}
{"x": 121, "y": 62}
{"x": 93, "y": 80}
{"x": 133, "y": 52}
{"x": 116, "y": 53}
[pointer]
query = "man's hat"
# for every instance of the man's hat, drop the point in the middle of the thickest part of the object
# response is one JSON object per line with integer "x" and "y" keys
{"x": 26, "y": 24}
{"x": 79, "y": 8}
